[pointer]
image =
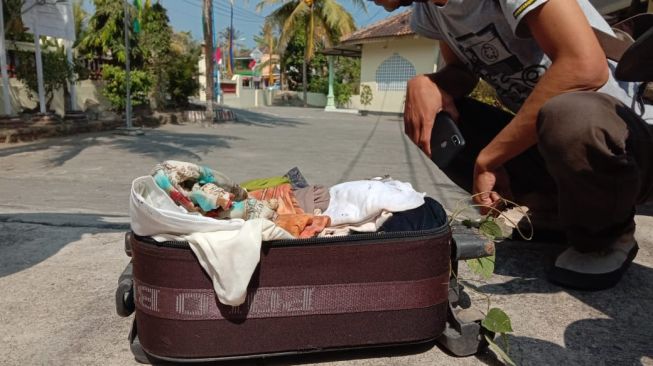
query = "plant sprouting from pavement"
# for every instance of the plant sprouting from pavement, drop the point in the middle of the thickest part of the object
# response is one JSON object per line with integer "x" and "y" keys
{"x": 495, "y": 226}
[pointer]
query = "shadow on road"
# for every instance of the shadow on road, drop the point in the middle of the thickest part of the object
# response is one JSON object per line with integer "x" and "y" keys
{"x": 269, "y": 119}
{"x": 27, "y": 239}
{"x": 621, "y": 331}
{"x": 158, "y": 144}
{"x": 162, "y": 145}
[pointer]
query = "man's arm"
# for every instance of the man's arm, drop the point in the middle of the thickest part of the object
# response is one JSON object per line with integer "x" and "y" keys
{"x": 578, "y": 63}
{"x": 454, "y": 77}
{"x": 427, "y": 95}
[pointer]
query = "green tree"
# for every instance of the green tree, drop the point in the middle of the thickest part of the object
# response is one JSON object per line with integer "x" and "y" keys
{"x": 348, "y": 70}
{"x": 154, "y": 42}
{"x": 14, "y": 28}
{"x": 323, "y": 21}
{"x": 268, "y": 41}
{"x": 292, "y": 61}
{"x": 182, "y": 70}
{"x": 57, "y": 72}
{"x": 11, "y": 16}
{"x": 115, "y": 86}
{"x": 105, "y": 33}
{"x": 345, "y": 81}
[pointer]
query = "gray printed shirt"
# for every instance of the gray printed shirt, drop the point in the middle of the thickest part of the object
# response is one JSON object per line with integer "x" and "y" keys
{"x": 491, "y": 39}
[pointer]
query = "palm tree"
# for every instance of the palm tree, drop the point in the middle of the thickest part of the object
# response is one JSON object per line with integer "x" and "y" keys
{"x": 325, "y": 21}
{"x": 223, "y": 37}
{"x": 105, "y": 32}
{"x": 268, "y": 39}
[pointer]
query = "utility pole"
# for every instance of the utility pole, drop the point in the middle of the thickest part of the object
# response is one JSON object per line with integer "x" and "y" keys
{"x": 207, "y": 15}
{"x": 129, "y": 129}
{"x": 128, "y": 101}
{"x": 3, "y": 67}
{"x": 39, "y": 69}
{"x": 216, "y": 70}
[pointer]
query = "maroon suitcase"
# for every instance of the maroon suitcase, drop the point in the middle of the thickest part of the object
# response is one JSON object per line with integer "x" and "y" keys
{"x": 307, "y": 295}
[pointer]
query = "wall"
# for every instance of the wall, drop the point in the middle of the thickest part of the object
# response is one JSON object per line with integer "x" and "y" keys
{"x": 89, "y": 95}
{"x": 296, "y": 98}
{"x": 421, "y": 52}
{"x": 252, "y": 98}
{"x": 314, "y": 99}
{"x": 247, "y": 98}
{"x": 19, "y": 98}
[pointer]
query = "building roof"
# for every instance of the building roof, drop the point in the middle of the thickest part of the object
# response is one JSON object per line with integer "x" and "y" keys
{"x": 395, "y": 26}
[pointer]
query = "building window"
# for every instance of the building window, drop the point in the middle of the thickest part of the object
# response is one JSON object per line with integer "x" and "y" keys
{"x": 393, "y": 73}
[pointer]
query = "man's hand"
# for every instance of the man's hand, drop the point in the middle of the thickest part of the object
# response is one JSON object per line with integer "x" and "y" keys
{"x": 424, "y": 100}
{"x": 490, "y": 185}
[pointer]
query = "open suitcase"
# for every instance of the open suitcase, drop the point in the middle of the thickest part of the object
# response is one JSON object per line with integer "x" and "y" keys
{"x": 307, "y": 295}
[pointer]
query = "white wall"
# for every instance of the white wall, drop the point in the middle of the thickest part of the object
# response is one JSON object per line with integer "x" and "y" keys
{"x": 421, "y": 52}
{"x": 247, "y": 98}
{"x": 314, "y": 99}
{"x": 250, "y": 98}
{"x": 89, "y": 95}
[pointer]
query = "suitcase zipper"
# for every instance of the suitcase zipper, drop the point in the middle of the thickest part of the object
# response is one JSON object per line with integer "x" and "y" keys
{"x": 314, "y": 241}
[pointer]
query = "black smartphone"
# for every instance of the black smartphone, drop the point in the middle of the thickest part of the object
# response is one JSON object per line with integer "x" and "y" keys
{"x": 446, "y": 140}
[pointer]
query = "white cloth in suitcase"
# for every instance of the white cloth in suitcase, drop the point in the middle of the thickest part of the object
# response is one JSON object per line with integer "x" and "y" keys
{"x": 228, "y": 250}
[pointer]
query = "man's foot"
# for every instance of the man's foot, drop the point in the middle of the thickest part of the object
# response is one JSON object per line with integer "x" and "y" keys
{"x": 595, "y": 270}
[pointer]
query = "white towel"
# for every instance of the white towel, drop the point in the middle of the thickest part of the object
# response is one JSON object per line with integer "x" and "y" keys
{"x": 359, "y": 201}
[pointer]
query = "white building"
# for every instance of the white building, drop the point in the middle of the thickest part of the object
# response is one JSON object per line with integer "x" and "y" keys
{"x": 391, "y": 54}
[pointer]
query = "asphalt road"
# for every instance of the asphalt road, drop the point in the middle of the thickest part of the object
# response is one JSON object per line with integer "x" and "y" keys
{"x": 63, "y": 212}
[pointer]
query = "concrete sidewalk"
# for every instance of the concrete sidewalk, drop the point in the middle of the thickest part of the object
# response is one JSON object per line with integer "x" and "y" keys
{"x": 63, "y": 216}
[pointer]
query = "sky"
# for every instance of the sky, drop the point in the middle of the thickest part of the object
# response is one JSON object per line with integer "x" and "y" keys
{"x": 186, "y": 15}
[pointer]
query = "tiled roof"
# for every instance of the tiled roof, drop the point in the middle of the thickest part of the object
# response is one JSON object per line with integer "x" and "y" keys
{"x": 396, "y": 25}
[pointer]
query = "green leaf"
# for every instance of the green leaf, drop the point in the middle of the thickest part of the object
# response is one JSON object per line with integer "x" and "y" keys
{"x": 469, "y": 223}
{"x": 483, "y": 267}
{"x": 491, "y": 230}
{"x": 503, "y": 356}
{"x": 497, "y": 321}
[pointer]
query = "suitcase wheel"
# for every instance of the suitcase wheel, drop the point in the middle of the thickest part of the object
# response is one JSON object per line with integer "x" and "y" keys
{"x": 125, "y": 293}
{"x": 137, "y": 350}
{"x": 464, "y": 335}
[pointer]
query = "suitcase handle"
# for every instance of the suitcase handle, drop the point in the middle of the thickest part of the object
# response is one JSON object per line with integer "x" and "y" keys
{"x": 125, "y": 293}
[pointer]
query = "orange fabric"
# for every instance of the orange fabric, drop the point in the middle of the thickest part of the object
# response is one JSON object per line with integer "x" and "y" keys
{"x": 315, "y": 227}
{"x": 288, "y": 204}
{"x": 294, "y": 223}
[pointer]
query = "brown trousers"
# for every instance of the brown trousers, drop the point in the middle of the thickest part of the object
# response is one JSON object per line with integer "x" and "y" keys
{"x": 593, "y": 163}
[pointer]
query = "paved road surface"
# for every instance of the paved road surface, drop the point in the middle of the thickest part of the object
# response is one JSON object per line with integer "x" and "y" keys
{"x": 63, "y": 214}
